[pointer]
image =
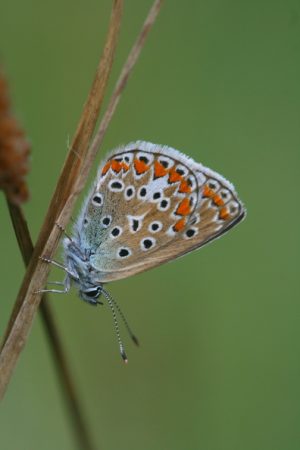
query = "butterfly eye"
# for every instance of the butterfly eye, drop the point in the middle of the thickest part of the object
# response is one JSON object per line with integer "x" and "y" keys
{"x": 92, "y": 292}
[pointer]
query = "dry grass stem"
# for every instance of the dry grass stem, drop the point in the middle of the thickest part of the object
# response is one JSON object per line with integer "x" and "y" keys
{"x": 74, "y": 410}
{"x": 120, "y": 86}
{"x": 14, "y": 166}
{"x": 70, "y": 184}
{"x": 60, "y": 208}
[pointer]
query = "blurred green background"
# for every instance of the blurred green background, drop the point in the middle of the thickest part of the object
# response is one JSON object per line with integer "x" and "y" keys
{"x": 219, "y": 363}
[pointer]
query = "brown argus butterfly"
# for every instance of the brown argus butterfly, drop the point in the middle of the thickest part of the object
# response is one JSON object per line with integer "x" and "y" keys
{"x": 150, "y": 204}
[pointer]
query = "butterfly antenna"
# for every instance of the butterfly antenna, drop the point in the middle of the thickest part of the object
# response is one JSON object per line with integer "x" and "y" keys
{"x": 131, "y": 334}
{"x": 111, "y": 305}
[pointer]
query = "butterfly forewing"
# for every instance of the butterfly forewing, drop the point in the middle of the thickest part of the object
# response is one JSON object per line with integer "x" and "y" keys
{"x": 150, "y": 205}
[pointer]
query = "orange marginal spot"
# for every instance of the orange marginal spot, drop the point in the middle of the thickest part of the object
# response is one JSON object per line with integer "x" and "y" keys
{"x": 174, "y": 176}
{"x": 184, "y": 187}
{"x": 224, "y": 213}
{"x": 184, "y": 207}
{"x": 125, "y": 166}
{"x": 106, "y": 168}
{"x": 207, "y": 192}
{"x": 116, "y": 166}
{"x": 179, "y": 225}
{"x": 140, "y": 166}
{"x": 159, "y": 170}
{"x": 218, "y": 200}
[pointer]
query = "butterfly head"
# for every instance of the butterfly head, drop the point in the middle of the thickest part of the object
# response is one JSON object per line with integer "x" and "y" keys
{"x": 91, "y": 294}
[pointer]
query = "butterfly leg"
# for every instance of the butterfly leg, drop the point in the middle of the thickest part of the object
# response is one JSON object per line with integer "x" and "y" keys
{"x": 66, "y": 283}
{"x": 61, "y": 266}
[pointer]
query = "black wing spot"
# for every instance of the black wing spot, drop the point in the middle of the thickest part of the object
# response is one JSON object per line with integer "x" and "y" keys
{"x": 124, "y": 252}
{"x": 190, "y": 233}
{"x": 156, "y": 195}
{"x": 117, "y": 185}
{"x": 115, "y": 231}
{"x": 164, "y": 163}
{"x": 106, "y": 221}
{"x": 148, "y": 243}
{"x": 144, "y": 159}
{"x": 143, "y": 192}
{"x": 97, "y": 199}
{"x": 135, "y": 224}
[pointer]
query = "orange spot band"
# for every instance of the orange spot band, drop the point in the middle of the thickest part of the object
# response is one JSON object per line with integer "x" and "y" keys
{"x": 184, "y": 188}
{"x": 116, "y": 166}
{"x": 106, "y": 168}
{"x": 218, "y": 200}
{"x": 184, "y": 207}
{"x": 174, "y": 176}
{"x": 179, "y": 226}
{"x": 159, "y": 170}
{"x": 207, "y": 192}
{"x": 140, "y": 166}
{"x": 224, "y": 213}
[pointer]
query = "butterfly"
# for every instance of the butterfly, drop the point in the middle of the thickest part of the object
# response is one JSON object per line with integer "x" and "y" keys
{"x": 149, "y": 205}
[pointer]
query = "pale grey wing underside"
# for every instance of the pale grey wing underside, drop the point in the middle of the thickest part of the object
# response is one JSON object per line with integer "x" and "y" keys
{"x": 152, "y": 204}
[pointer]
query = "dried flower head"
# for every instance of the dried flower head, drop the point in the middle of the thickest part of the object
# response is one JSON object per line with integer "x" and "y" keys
{"x": 14, "y": 151}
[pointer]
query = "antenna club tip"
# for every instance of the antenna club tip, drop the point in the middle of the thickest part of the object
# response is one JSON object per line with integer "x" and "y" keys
{"x": 124, "y": 356}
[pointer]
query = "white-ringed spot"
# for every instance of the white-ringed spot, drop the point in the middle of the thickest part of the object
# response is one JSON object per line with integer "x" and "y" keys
{"x": 147, "y": 243}
{"x": 157, "y": 196}
{"x": 213, "y": 184}
{"x": 106, "y": 221}
{"x": 233, "y": 207}
{"x": 225, "y": 195}
{"x": 167, "y": 163}
{"x": 146, "y": 158}
{"x": 116, "y": 232}
{"x": 142, "y": 192}
{"x": 123, "y": 252}
{"x": 129, "y": 192}
{"x": 135, "y": 223}
{"x": 97, "y": 199}
{"x": 191, "y": 232}
{"x": 155, "y": 227}
{"x": 163, "y": 205}
{"x": 181, "y": 170}
{"x": 116, "y": 185}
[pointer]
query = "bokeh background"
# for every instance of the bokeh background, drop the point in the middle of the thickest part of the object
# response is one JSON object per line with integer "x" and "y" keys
{"x": 219, "y": 362}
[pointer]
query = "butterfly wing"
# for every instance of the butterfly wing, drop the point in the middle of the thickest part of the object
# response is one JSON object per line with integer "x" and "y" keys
{"x": 152, "y": 204}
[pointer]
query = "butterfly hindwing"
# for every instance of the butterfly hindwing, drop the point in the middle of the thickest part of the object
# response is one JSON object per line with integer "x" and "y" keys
{"x": 150, "y": 205}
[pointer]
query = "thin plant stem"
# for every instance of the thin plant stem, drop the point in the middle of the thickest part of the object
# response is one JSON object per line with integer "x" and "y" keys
{"x": 36, "y": 274}
{"x": 74, "y": 410}
{"x": 70, "y": 184}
